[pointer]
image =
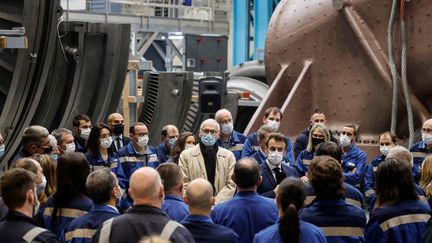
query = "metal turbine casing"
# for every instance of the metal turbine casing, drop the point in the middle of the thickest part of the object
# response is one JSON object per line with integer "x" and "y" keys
{"x": 335, "y": 57}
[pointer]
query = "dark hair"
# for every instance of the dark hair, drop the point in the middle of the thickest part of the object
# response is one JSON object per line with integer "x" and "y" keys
{"x": 78, "y": 118}
{"x": 26, "y": 163}
{"x": 391, "y": 135}
{"x": 330, "y": 149}
{"x": 290, "y": 198}
{"x": 92, "y": 143}
{"x": 14, "y": 186}
{"x": 352, "y": 126}
{"x": 132, "y": 128}
{"x": 326, "y": 178}
{"x": 317, "y": 110}
{"x": 72, "y": 171}
{"x": 171, "y": 175}
{"x": 271, "y": 110}
{"x": 33, "y": 135}
{"x": 394, "y": 182}
{"x": 100, "y": 184}
{"x": 179, "y": 146}
{"x": 164, "y": 131}
{"x": 278, "y": 137}
{"x": 246, "y": 173}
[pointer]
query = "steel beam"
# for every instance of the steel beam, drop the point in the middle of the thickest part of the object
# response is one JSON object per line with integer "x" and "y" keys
{"x": 240, "y": 31}
{"x": 262, "y": 14}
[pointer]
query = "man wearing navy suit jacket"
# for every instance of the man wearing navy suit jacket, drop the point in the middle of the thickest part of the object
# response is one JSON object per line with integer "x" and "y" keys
{"x": 274, "y": 169}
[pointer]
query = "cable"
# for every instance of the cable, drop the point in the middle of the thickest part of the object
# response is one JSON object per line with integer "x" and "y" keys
{"x": 392, "y": 66}
{"x": 59, "y": 38}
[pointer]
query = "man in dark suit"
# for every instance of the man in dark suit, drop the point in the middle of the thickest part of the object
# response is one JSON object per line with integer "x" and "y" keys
{"x": 274, "y": 169}
{"x": 199, "y": 197}
{"x": 115, "y": 122}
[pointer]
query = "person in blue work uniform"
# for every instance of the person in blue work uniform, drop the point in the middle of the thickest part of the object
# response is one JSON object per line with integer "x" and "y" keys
{"x": 274, "y": 170}
{"x": 302, "y": 141}
{"x": 317, "y": 135}
{"x": 399, "y": 215}
{"x": 290, "y": 196}
{"x": 70, "y": 200}
{"x": 353, "y": 158}
{"x": 100, "y": 153}
{"x": 103, "y": 189}
{"x": 246, "y": 213}
{"x": 186, "y": 140}
{"x": 116, "y": 125}
{"x": 421, "y": 149}
{"x": 262, "y": 134}
{"x": 137, "y": 153}
{"x": 351, "y": 194}
{"x": 340, "y": 221}
{"x": 272, "y": 118}
{"x": 19, "y": 195}
{"x": 199, "y": 197}
{"x": 81, "y": 128}
{"x": 169, "y": 135}
{"x": 173, "y": 204}
{"x": 229, "y": 139}
{"x": 34, "y": 141}
{"x": 145, "y": 218}
{"x": 387, "y": 141}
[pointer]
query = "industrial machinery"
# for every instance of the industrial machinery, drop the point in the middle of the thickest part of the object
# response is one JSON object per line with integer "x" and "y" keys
{"x": 344, "y": 57}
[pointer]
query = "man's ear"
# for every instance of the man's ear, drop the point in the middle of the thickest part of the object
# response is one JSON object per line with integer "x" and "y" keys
{"x": 130, "y": 193}
{"x": 259, "y": 181}
{"x": 30, "y": 195}
{"x": 186, "y": 199}
{"x": 213, "y": 201}
{"x": 33, "y": 148}
{"x": 161, "y": 192}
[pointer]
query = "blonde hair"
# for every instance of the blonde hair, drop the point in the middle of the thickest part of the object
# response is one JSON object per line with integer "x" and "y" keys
{"x": 321, "y": 129}
{"x": 426, "y": 176}
{"x": 49, "y": 166}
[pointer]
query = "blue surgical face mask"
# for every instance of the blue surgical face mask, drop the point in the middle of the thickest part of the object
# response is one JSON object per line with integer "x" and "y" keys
{"x": 171, "y": 142}
{"x": 2, "y": 150}
{"x": 208, "y": 140}
{"x": 55, "y": 156}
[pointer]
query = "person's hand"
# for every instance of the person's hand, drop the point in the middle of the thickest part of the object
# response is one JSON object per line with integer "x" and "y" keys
{"x": 276, "y": 189}
{"x": 305, "y": 179}
{"x": 354, "y": 170}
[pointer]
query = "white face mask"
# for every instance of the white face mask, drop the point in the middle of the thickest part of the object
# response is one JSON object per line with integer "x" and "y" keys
{"x": 70, "y": 147}
{"x": 273, "y": 125}
{"x": 427, "y": 138}
{"x": 384, "y": 150}
{"x": 345, "y": 141}
{"x": 85, "y": 133}
{"x": 41, "y": 187}
{"x": 106, "y": 142}
{"x": 188, "y": 146}
{"x": 275, "y": 157}
{"x": 36, "y": 206}
{"x": 227, "y": 128}
{"x": 143, "y": 141}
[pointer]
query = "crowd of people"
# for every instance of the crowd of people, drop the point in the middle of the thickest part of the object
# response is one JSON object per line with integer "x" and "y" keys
{"x": 94, "y": 184}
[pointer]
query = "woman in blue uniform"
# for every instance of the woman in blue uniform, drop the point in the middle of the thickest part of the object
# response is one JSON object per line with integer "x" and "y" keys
{"x": 100, "y": 153}
{"x": 317, "y": 135}
{"x": 290, "y": 197}
{"x": 399, "y": 215}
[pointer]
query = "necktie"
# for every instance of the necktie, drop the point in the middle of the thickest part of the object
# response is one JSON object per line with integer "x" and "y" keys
{"x": 117, "y": 143}
{"x": 279, "y": 175}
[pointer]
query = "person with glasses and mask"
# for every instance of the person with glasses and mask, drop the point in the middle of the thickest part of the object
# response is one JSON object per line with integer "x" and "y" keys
{"x": 169, "y": 136}
{"x": 34, "y": 141}
{"x": 353, "y": 158}
{"x": 138, "y": 153}
{"x": 421, "y": 149}
{"x": 81, "y": 127}
{"x": 229, "y": 139}
{"x": 19, "y": 195}
{"x": 209, "y": 161}
{"x": 318, "y": 134}
{"x": 116, "y": 125}
{"x": 272, "y": 118}
{"x": 65, "y": 140}
{"x": 274, "y": 169}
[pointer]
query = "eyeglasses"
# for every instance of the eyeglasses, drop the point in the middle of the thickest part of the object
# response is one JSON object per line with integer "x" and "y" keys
{"x": 427, "y": 130}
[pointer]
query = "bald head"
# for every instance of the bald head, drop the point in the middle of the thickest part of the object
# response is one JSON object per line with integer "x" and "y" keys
{"x": 146, "y": 186}
{"x": 401, "y": 153}
{"x": 222, "y": 115}
{"x": 427, "y": 124}
{"x": 247, "y": 174}
{"x": 209, "y": 126}
{"x": 199, "y": 194}
{"x": 114, "y": 116}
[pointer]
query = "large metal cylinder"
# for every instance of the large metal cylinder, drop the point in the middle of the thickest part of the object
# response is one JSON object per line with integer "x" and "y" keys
{"x": 348, "y": 77}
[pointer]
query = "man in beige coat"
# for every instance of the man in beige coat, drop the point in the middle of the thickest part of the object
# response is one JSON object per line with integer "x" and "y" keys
{"x": 209, "y": 161}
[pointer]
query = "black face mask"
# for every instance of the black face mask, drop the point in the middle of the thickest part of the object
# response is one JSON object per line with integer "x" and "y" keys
{"x": 118, "y": 129}
{"x": 316, "y": 141}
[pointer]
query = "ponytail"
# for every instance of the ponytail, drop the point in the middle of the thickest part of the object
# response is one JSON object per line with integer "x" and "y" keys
{"x": 289, "y": 225}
